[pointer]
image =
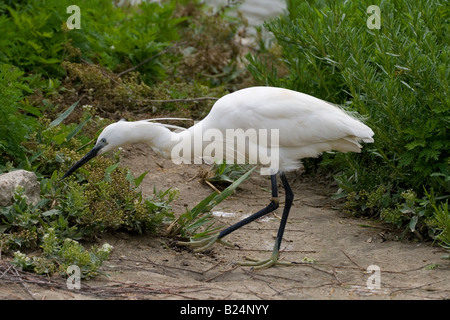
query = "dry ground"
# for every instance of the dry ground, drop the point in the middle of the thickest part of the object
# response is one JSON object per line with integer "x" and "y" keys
{"x": 148, "y": 267}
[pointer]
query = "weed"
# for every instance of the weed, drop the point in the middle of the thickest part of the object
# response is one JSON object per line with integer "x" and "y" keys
{"x": 200, "y": 217}
{"x": 225, "y": 174}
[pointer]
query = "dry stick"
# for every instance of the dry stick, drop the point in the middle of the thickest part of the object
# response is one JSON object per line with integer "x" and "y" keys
{"x": 14, "y": 276}
{"x": 180, "y": 100}
{"x": 212, "y": 186}
{"x": 23, "y": 283}
{"x": 221, "y": 274}
{"x": 336, "y": 277}
{"x": 348, "y": 257}
{"x": 6, "y": 271}
{"x": 159, "y": 265}
{"x": 417, "y": 287}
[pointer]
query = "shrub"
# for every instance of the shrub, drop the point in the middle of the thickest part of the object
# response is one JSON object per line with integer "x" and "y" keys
{"x": 36, "y": 37}
{"x": 15, "y": 124}
{"x": 100, "y": 198}
{"x": 396, "y": 77}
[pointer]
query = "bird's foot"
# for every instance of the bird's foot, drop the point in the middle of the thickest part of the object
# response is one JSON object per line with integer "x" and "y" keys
{"x": 205, "y": 243}
{"x": 265, "y": 263}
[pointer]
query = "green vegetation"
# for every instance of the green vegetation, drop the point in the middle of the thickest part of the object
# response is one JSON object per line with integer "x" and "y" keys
{"x": 397, "y": 78}
{"x": 37, "y": 39}
{"x": 200, "y": 217}
{"x": 57, "y": 87}
{"x": 14, "y": 124}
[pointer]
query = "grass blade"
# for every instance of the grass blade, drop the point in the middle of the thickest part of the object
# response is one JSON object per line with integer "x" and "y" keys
{"x": 64, "y": 115}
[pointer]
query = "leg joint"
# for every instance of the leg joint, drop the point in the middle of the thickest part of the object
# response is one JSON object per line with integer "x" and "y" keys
{"x": 275, "y": 201}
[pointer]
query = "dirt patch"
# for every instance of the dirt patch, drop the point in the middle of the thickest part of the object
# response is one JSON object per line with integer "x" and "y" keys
{"x": 149, "y": 267}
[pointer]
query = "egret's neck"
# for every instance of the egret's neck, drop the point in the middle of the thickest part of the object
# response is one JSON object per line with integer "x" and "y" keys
{"x": 159, "y": 138}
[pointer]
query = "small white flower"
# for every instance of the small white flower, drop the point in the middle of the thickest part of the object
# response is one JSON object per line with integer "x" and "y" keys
{"x": 107, "y": 247}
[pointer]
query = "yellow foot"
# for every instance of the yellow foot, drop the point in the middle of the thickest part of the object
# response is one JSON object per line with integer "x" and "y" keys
{"x": 205, "y": 243}
{"x": 263, "y": 264}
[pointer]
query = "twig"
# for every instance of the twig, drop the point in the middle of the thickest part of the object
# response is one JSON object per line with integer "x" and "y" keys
{"x": 336, "y": 277}
{"x": 6, "y": 271}
{"x": 159, "y": 265}
{"x": 417, "y": 287}
{"x": 221, "y": 274}
{"x": 212, "y": 186}
{"x": 351, "y": 260}
{"x": 23, "y": 283}
{"x": 179, "y": 100}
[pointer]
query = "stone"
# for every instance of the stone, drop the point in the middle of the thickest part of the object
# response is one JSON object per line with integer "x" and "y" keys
{"x": 9, "y": 182}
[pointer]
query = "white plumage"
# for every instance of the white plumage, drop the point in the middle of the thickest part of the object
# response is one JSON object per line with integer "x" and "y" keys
{"x": 306, "y": 127}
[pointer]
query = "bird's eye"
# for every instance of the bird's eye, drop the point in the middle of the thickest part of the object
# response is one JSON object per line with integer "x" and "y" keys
{"x": 103, "y": 140}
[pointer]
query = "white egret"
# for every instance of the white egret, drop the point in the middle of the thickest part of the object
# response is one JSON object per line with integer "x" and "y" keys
{"x": 306, "y": 126}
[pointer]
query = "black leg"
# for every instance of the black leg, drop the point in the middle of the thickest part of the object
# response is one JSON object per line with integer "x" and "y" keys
{"x": 273, "y": 260}
{"x": 273, "y": 205}
{"x": 287, "y": 208}
{"x": 206, "y": 243}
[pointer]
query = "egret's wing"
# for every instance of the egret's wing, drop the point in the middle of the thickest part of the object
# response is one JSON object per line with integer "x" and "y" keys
{"x": 301, "y": 119}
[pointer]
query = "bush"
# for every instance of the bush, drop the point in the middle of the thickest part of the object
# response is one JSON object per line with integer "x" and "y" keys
{"x": 69, "y": 211}
{"x": 14, "y": 123}
{"x": 396, "y": 77}
{"x": 103, "y": 198}
{"x": 37, "y": 40}
{"x": 45, "y": 67}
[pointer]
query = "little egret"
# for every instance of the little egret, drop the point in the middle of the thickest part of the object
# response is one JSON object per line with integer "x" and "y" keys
{"x": 305, "y": 126}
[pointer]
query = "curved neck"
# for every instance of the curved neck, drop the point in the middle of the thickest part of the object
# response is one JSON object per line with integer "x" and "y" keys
{"x": 170, "y": 145}
{"x": 156, "y": 136}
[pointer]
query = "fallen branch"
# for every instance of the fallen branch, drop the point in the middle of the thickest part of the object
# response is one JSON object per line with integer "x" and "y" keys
{"x": 416, "y": 287}
{"x": 180, "y": 100}
{"x": 117, "y": 289}
{"x": 23, "y": 283}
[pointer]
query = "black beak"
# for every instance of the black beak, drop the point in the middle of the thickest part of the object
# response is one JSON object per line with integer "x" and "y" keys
{"x": 91, "y": 154}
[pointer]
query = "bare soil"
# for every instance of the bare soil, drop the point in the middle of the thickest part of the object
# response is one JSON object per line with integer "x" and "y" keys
{"x": 343, "y": 247}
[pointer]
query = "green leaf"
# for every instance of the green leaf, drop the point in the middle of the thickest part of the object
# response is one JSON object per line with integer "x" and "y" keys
{"x": 64, "y": 115}
{"x": 413, "y": 222}
{"x": 32, "y": 110}
{"x": 109, "y": 170}
{"x": 230, "y": 189}
{"x": 139, "y": 179}
{"x": 77, "y": 129}
{"x": 415, "y": 144}
{"x": 51, "y": 212}
{"x": 59, "y": 138}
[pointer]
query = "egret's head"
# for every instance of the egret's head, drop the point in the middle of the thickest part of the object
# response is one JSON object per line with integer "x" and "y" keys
{"x": 112, "y": 137}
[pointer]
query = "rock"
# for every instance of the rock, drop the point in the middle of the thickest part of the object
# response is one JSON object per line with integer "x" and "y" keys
{"x": 9, "y": 182}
